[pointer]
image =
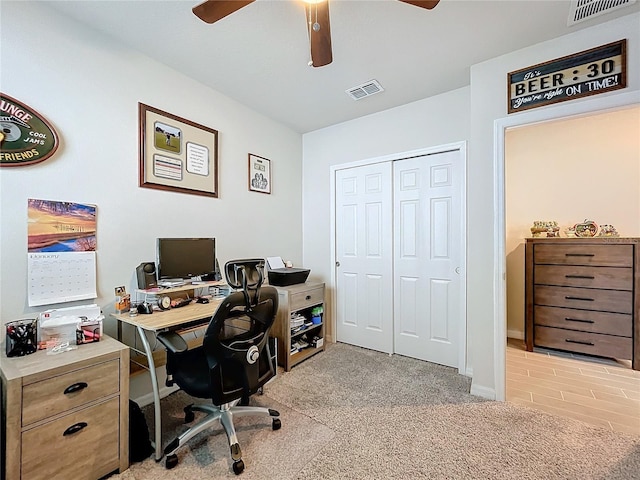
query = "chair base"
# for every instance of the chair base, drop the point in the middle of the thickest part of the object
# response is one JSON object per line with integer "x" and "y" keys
{"x": 224, "y": 414}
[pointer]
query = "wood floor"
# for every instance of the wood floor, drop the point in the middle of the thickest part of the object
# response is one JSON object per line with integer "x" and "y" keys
{"x": 598, "y": 391}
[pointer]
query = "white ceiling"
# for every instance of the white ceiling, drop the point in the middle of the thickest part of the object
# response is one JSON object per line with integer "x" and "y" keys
{"x": 259, "y": 55}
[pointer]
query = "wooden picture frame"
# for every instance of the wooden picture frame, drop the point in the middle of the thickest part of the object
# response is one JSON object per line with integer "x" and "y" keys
{"x": 259, "y": 174}
{"x": 176, "y": 154}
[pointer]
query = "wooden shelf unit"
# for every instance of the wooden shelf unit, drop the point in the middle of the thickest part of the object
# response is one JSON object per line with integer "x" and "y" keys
{"x": 300, "y": 298}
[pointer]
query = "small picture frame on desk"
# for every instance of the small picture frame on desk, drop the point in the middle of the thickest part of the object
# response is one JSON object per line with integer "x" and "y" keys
{"x": 259, "y": 174}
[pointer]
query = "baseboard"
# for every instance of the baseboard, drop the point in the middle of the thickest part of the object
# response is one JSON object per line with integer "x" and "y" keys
{"x": 517, "y": 334}
{"x": 481, "y": 391}
{"x": 147, "y": 399}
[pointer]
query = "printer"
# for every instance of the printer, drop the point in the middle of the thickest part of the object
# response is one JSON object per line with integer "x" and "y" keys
{"x": 281, "y": 276}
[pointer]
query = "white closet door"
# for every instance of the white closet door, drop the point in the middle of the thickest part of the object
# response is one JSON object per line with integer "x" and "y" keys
{"x": 364, "y": 255}
{"x": 427, "y": 257}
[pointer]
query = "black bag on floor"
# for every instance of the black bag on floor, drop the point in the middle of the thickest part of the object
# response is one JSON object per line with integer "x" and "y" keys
{"x": 139, "y": 443}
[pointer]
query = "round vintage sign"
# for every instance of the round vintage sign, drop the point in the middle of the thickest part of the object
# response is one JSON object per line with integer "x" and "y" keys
{"x": 26, "y": 137}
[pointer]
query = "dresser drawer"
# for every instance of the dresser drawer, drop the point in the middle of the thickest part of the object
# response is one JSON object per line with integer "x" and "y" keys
{"x": 602, "y": 255}
{"x": 47, "y": 398}
{"x": 88, "y": 453}
{"x": 610, "y": 278}
{"x": 584, "y": 298}
{"x": 307, "y": 298}
{"x": 585, "y": 320}
{"x": 584, "y": 342}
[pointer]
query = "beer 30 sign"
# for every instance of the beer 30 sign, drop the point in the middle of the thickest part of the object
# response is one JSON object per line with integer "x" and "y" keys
{"x": 598, "y": 70}
{"x": 26, "y": 137}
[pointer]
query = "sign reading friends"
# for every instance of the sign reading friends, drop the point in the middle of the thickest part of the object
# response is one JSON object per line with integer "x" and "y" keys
{"x": 26, "y": 137}
{"x": 598, "y": 70}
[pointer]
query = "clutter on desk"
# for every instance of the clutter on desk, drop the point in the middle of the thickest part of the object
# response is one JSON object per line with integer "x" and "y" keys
{"x": 61, "y": 329}
{"x": 22, "y": 337}
{"x": 283, "y": 276}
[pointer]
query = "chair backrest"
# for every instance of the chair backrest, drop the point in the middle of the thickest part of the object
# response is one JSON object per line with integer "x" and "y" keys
{"x": 236, "y": 341}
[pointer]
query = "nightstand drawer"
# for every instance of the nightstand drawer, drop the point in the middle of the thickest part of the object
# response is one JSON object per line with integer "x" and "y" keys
{"x": 90, "y": 447}
{"x": 602, "y": 255}
{"x": 47, "y": 398}
{"x": 584, "y": 298}
{"x": 306, "y": 299}
{"x": 583, "y": 342}
{"x": 585, "y": 320}
{"x": 610, "y": 278}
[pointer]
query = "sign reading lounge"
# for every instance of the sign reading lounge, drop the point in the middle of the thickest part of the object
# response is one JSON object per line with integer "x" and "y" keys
{"x": 598, "y": 70}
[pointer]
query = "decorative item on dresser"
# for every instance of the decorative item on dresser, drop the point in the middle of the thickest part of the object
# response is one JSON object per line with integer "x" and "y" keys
{"x": 583, "y": 295}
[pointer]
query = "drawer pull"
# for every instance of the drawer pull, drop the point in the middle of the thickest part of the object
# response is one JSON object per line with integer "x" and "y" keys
{"x": 578, "y": 320}
{"x": 578, "y": 341}
{"x": 308, "y": 297}
{"x": 569, "y": 297}
{"x": 76, "y": 387}
{"x": 74, "y": 428}
{"x": 588, "y": 277}
{"x": 580, "y": 254}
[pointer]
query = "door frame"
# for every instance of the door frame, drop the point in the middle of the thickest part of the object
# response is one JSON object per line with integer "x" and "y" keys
{"x": 461, "y": 147}
{"x": 584, "y": 108}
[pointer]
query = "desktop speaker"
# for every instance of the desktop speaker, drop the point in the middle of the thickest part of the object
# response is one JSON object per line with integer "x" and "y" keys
{"x": 146, "y": 273}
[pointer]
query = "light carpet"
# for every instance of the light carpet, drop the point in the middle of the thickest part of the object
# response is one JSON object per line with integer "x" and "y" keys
{"x": 352, "y": 413}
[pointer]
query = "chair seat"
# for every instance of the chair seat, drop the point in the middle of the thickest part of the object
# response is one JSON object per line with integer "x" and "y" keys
{"x": 193, "y": 375}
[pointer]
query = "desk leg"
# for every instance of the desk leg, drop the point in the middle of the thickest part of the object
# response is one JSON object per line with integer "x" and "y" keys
{"x": 156, "y": 394}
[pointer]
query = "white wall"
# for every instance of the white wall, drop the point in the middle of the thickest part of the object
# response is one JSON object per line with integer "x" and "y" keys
{"x": 434, "y": 121}
{"x": 488, "y": 105}
{"x": 568, "y": 170}
{"x": 88, "y": 86}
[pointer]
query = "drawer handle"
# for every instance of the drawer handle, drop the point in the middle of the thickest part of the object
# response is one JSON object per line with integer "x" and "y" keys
{"x": 578, "y": 320}
{"x": 308, "y": 297}
{"x": 74, "y": 428}
{"x": 76, "y": 387}
{"x": 588, "y": 277}
{"x": 568, "y": 297}
{"x": 580, "y": 254}
{"x": 578, "y": 341}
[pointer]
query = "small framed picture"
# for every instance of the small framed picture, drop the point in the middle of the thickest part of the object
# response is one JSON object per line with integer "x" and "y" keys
{"x": 259, "y": 174}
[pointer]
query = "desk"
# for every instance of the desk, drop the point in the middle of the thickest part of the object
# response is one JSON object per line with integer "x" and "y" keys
{"x": 190, "y": 315}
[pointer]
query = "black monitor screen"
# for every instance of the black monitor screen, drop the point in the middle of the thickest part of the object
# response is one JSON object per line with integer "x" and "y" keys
{"x": 186, "y": 257}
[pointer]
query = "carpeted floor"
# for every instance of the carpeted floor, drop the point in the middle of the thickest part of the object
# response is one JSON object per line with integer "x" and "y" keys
{"x": 351, "y": 413}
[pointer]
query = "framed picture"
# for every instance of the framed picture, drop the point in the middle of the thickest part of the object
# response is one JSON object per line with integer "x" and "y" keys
{"x": 259, "y": 174}
{"x": 177, "y": 154}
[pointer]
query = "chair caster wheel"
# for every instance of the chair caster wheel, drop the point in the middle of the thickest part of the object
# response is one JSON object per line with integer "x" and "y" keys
{"x": 276, "y": 424}
{"x": 189, "y": 416}
{"x": 238, "y": 467}
{"x": 172, "y": 461}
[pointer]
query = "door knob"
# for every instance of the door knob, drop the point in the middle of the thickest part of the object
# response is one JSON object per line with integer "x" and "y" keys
{"x": 458, "y": 270}
{"x": 337, "y": 264}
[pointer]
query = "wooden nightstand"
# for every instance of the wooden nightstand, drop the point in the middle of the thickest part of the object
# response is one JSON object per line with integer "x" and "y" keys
{"x": 66, "y": 415}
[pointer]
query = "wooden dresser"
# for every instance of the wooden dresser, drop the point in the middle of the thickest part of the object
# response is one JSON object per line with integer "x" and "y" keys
{"x": 583, "y": 295}
{"x": 66, "y": 415}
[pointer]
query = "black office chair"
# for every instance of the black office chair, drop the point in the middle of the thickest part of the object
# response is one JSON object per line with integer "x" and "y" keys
{"x": 236, "y": 359}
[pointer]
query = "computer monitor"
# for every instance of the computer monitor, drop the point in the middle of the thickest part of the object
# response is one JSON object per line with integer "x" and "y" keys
{"x": 185, "y": 258}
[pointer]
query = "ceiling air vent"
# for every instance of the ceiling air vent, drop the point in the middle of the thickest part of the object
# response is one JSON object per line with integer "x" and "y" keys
{"x": 582, "y": 10}
{"x": 365, "y": 90}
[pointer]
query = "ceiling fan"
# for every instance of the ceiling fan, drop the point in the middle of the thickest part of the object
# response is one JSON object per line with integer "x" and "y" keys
{"x": 317, "y": 12}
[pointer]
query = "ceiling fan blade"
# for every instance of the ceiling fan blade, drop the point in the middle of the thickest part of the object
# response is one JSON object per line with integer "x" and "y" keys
{"x": 319, "y": 33}
{"x": 428, "y": 4}
{"x": 213, "y": 10}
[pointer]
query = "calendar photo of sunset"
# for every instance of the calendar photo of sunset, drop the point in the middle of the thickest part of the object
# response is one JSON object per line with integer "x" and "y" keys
{"x": 55, "y": 226}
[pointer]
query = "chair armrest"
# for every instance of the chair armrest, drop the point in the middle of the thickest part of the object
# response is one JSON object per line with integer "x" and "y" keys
{"x": 173, "y": 342}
